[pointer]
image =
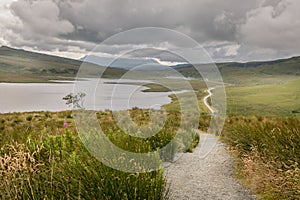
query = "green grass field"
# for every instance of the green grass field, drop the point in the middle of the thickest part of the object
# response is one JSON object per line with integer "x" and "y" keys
{"x": 279, "y": 99}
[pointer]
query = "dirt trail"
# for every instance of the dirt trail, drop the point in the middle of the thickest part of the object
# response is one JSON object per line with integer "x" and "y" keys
{"x": 208, "y": 173}
{"x": 212, "y": 177}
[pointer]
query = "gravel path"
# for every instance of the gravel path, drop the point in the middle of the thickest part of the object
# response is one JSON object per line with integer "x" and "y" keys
{"x": 211, "y": 177}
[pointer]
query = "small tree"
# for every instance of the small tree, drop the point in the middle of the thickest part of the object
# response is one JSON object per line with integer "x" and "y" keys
{"x": 75, "y": 100}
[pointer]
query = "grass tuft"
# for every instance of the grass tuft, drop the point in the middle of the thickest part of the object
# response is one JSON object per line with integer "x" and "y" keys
{"x": 268, "y": 154}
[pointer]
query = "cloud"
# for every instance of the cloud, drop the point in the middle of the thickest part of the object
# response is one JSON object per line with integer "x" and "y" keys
{"x": 37, "y": 25}
{"x": 6, "y": 19}
{"x": 41, "y": 17}
{"x": 228, "y": 29}
{"x": 232, "y": 50}
{"x": 95, "y": 20}
{"x": 274, "y": 26}
{"x": 100, "y": 19}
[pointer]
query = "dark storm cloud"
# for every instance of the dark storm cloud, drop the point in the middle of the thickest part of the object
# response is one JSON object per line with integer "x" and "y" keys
{"x": 228, "y": 28}
{"x": 203, "y": 20}
{"x": 95, "y": 20}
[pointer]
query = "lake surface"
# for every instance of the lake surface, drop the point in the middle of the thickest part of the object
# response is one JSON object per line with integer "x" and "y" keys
{"x": 26, "y": 97}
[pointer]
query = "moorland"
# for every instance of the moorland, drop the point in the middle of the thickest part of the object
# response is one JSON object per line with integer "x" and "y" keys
{"x": 42, "y": 156}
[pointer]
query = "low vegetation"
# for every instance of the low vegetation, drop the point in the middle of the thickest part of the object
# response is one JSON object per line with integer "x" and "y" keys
{"x": 268, "y": 154}
{"x": 42, "y": 157}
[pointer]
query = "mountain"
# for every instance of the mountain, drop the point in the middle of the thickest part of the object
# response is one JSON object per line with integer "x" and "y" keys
{"x": 17, "y": 65}
{"x": 125, "y": 63}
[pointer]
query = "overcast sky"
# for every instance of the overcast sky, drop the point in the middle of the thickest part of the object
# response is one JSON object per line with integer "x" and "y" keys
{"x": 230, "y": 30}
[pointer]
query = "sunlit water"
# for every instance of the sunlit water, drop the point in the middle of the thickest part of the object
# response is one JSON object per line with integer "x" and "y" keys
{"x": 25, "y": 97}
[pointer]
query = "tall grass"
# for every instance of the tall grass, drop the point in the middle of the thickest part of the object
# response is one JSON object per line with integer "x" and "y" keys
{"x": 42, "y": 157}
{"x": 268, "y": 154}
{"x": 59, "y": 167}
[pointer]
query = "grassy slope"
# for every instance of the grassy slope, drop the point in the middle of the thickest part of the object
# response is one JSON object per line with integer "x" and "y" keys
{"x": 257, "y": 73}
{"x": 23, "y": 66}
{"x": 253, "y": 73}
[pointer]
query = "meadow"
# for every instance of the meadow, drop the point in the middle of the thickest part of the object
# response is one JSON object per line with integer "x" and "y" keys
{"x": 277, "y": 99}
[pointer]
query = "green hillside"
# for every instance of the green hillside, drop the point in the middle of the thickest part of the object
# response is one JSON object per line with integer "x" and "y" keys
{"x": 17, "y": 65}
{"x": 252, "y": 73}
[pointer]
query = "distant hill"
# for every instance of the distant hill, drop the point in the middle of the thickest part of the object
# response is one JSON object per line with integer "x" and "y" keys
{"x": 125, "y": 63}
{"x": 290, "y": 66}
{"x": 250, "y": 72}
{"x": 17, "y": 65}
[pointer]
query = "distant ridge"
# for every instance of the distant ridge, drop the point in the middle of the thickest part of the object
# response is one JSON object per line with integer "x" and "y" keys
{"x": 8, "y": 51}
{"x": 295, "y": 59}
{"x": 18, "y": 65}
{"x": 126, "y": 63}
{"x": 287, "y": 66}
